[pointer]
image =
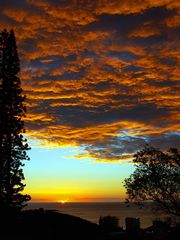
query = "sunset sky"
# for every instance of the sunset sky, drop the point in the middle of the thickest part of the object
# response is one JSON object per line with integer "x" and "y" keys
{"x": 101, "y": 79}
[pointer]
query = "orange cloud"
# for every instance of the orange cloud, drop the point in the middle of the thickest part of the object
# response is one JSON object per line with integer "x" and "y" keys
{"x": 99, "y": 74}
{"x": 147, "y": 30}
{"x": 130, "y": 7}
{"x": 173, "y": 21}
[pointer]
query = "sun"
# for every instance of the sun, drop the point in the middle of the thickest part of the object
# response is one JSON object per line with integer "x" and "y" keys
{"x": 62, "y": 201}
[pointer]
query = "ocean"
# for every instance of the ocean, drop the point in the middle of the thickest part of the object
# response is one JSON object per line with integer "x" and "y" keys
{"x": 92, "y": 211}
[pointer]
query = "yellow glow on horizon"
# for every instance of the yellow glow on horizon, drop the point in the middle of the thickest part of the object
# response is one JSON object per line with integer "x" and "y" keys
{"x": 62, "y": 201}
{"x": 66, "y": 198}
{"x": 67, "y": 192}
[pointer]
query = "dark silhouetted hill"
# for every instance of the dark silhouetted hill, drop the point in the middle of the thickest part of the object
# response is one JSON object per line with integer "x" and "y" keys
{"x": 49, "y": 225}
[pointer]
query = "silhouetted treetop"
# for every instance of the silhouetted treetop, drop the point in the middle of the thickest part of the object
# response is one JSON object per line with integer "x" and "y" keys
{"x": 157, "y": 178}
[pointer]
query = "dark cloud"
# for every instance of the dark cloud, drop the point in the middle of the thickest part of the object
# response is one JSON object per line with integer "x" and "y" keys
{"x": 124, "y": 147}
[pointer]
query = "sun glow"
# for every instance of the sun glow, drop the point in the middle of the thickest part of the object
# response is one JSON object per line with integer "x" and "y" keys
{"x": 62, "y": 201}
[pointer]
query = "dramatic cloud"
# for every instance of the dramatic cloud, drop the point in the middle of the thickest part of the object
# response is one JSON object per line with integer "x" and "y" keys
{"x": 99, "y": 74}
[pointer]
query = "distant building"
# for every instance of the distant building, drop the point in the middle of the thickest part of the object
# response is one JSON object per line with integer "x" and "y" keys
{"x": 132, "y": 225}
{"x": 109, "y": 223}
{"x": 160, "y": 229}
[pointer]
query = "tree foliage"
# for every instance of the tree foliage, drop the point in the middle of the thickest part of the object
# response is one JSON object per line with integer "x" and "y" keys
{"x": 13, "y": 146}
{"x": 157, "y": 178}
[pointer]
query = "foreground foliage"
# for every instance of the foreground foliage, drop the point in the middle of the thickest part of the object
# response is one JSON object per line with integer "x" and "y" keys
{"x": 13, "y": 146}
{"x": 157, "y": 178}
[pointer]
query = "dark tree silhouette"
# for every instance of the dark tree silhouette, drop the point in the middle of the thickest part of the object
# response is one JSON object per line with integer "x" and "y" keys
{"x": 157, "y": 178}
{"x": 13, "y": 146}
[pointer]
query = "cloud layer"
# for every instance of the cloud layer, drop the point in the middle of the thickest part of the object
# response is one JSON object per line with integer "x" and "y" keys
{"x": 100, "y": 74}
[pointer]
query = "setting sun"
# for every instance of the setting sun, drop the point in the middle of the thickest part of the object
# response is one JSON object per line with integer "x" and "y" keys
{"x": 62, "y": 201}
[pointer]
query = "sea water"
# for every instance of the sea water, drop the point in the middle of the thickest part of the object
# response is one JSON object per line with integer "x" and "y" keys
{"x": 92, "y": 211}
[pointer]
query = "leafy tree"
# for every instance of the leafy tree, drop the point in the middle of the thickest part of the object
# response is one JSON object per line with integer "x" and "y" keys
{"x": 13, "y": 146}
{"x": 157, "y": 178}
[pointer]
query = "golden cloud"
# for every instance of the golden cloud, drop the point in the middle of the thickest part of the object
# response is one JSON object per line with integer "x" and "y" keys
{"x": 92, "y": 70}
{"x": 131, "y": 7}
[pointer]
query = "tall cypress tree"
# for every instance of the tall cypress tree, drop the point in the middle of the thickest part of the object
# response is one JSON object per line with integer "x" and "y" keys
{"x": 13, "y": 145}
